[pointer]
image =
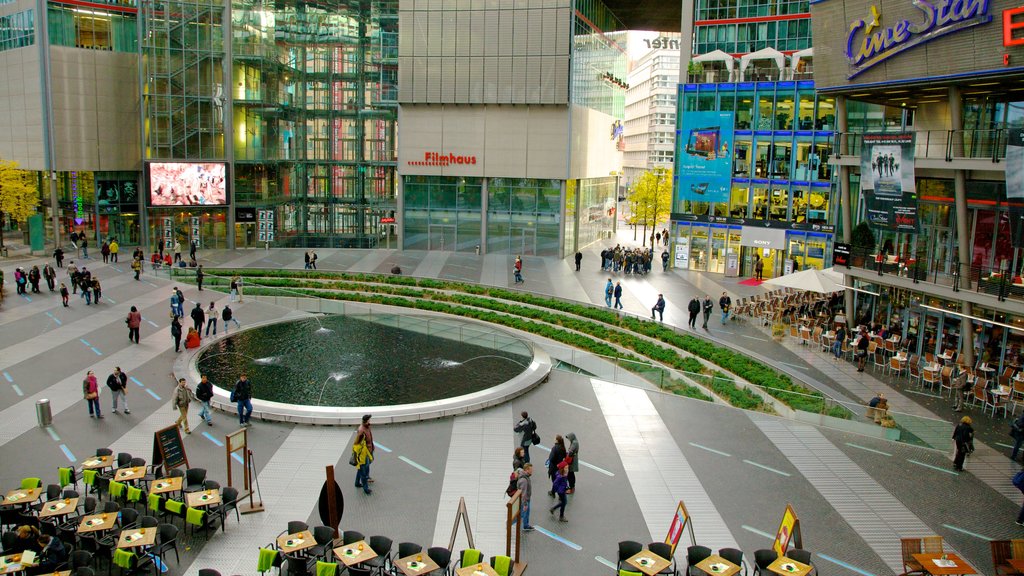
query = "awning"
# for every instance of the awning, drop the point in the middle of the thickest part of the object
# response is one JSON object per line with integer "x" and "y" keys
{"x": 794, "y": 62}
{"x": 763, "y": 54}
{"x": 811, "y": 280}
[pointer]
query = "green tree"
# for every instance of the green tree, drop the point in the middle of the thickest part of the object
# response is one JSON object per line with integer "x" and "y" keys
{"x": 651, "y": 198}
{"x": 18, "y": 194}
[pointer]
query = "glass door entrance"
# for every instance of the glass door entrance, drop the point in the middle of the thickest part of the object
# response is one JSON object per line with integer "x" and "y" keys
{"x": 441, "y": 237}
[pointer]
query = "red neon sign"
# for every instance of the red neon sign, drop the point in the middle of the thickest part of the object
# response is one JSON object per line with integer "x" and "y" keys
{"x": 1013, "y": 29}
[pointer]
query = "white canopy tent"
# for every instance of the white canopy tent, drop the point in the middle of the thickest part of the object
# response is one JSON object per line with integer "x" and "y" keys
{"x": 795, "y": 59}
{"x": 719, "y": 56}
{"x": 763, "y": 54}
{"x": 811, "y": 280}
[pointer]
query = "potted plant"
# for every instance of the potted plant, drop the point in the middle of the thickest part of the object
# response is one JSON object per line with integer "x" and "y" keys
{"x": 695, "y": 69}
{"x": 862, "y": 242}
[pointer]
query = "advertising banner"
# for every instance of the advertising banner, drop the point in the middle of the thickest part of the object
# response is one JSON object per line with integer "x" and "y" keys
{"x": 680, "y": 522}
{"x": 788, "y": 532}
{"x": 704, "y": 156}
{"x": 1015, "y": 183}
{"x": 887, "y": 181}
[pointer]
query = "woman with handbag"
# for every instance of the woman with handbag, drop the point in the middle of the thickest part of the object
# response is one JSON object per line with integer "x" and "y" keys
{"x": 573, "y": 455}
{"x": 555, "y": 459}
{"x": 91, "y": 392}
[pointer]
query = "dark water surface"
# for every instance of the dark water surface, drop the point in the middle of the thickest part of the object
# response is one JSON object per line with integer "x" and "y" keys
{"x": 356, "y": 362}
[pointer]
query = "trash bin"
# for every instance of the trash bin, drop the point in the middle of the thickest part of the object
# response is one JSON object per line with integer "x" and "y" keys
{"x": 43, "y": 414}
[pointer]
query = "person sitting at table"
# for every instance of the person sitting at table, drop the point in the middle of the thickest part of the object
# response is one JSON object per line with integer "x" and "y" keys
{"x": 53, "y": 554}
{"x": 192, "y": 340}
{"x": 862, "y": 349}
{"x": 878, "y": 400}
{"x": 27, "y": 539}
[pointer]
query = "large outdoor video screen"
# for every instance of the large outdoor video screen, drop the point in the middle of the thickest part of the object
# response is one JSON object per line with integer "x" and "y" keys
{"x": 187, "y": 184}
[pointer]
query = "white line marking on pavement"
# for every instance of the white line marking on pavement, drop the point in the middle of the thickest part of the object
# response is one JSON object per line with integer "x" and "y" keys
{"x": 136, "y": 380}
{"x": 52, "y": 433}
{"x": 558, "y": 538}
{"x": 67, "y": 452}
{"x": 768, "y": 468}
{"x": 702, "y": 447}
{"x": 382, "y": 447}
{"x": 798, "y": 367}
{"x": 17, "y": 390}
{"x": 8, "y": 377}
{"x": 1003, "y": 445}
{"x": 754, "y": 337}
{"x": 153, "y": 394}
{"x": 584, "y": 463}
{"x": 575, "y": 405}
{"x": 851, "y": 445}
{"x": 605, "y": 561}
{"x": 756, "y": 531}
{"x": 419, "y": 467}
{"x": 953, "y": 472}
{"x": 969, "y": 533}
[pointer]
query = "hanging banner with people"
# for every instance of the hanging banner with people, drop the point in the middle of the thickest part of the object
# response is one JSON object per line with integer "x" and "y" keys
{"x": 887, "y": 181}
{"x": 1015, "y": 183}
{"x": 704, "y": 157}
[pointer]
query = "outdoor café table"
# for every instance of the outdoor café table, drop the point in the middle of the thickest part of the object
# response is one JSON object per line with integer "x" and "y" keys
{"x": 97, "y": 462}
{"x": 61, "y": 507}
{"x": 715, "y": 565}
{"x": 927, "y": 562}
{"x": 355, "y": 553}
{"x": 1017, "y": 563}
{"x": 788, "y": 567}
{"x": 136, "y": 537}
{"x": 165, "y": 485}
{"x": 11, "y": 564}
{"x": 204, "y": 498}
{"x": 648, "y": 562}
{"x": 21, "y": 496}
{"x": 480, "y": 569}
{"x": 97, "y": 522}
{"x": 289, "y": 543}
{"x": 415, "y": 564}
{"x": 988, "y": 370}
{"x": 130, "y": 474}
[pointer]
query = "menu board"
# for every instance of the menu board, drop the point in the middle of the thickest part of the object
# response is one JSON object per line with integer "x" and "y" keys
{"x": 168, "y": 449}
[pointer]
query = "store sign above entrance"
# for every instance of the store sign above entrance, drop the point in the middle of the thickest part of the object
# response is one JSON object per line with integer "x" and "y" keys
{"x": 869, "y": 42}
{"x": 442, "y": 159}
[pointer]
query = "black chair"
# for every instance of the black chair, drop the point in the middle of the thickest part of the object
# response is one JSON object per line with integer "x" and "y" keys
{"x": 89, "y": 505}
{"x": 167, "y": 539}
{"x": 803, "y": 557}
{"x": 627, "y": 549}
{"x": 80, "y": 559}
{"x": 229, "y": 501}
{"x": 735, "y": 556}
{"x": 176, "y": 473}
{"x": 695, "y": 555}
{"x": 84, "y": 571}
{"x": 350, "y": 536}
{"x": 406, "y": 548}
{"x": 382, "y": 546}
{"x": 124, "y": 459}
{"x": 762, "y": 559}
{"x": 136, "y": 462}
{"x": 104, "y": 452}
{"x": 194, "y": 478}
{"x": 442, "y": 557}
{"x": 665, "y": 551}
{"x": 109, "y": 507}
{"x": 52, "y": 493}
{"x": 69, "y": 493}
{"x": 324, "y": 536}
{"x": 129, "y": 518}
{"x": 149, "y": 522}
{"x": 294, "y": 527}
{"x": 208, "y": 572}
{"x": 211, "y": 485}
{"x": 9, "y": 540}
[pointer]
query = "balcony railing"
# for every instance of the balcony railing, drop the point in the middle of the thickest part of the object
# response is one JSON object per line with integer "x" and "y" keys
{"x": 948, "y": 145}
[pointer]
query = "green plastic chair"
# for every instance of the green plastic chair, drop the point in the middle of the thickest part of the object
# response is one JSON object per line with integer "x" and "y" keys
{"x": 117, "y": 489}
{"x": 89, "y": 477}
{"x": 65, "y": 476}
{"x": 326, "y": 568}
{"x": 134, "y": 495}
{"x": 470, "y": 556}
{"x": 174, "y": 508}
{"x": 266, "y": 559}
{"x": 502, "y": 565}
{"x": 30, "y": 483}
{"x": 154, "y": 503}
{"x": 195, "y": 516}
{"x": 124, "y": 559}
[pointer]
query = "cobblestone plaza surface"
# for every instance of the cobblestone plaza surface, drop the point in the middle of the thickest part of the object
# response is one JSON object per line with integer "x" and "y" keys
{"x": 642, "y": 450}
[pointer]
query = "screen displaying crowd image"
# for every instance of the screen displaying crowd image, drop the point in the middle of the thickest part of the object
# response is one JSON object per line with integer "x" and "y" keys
{"x": 187, "y": 184}
{"x": 885, "y": 170}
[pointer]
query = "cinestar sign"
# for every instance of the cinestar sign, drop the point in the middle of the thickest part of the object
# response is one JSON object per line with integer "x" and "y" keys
{"x": 869, "y": 43}
{"x": 442, "y": 159}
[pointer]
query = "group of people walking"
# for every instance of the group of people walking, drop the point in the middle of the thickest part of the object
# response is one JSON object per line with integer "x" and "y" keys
{"x": 562, "y": 466}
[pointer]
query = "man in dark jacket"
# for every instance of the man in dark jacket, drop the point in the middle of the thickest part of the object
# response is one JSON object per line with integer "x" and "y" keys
{"x": 118, "y": 384}
{"x": 198, "y": 317}
{"x": 618, "y": 296}
{"x": 242, "y": 397}
{"x": 709, "y": 307}
{"x": 723, "y": 304}
{"x": 693, "y": 308}
{"x": 659, "y": 307}
{"x": 526, "y": 427}
{"x": 579, "y": 259}
{"x": 204, "y": 391}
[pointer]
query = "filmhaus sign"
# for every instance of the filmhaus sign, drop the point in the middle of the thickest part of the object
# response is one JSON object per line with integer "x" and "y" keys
{"x": 870, "y": 41}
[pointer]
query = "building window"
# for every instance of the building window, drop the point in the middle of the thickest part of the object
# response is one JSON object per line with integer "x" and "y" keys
{"x": 17, "y": 30}
{"x": 92, "y": 32}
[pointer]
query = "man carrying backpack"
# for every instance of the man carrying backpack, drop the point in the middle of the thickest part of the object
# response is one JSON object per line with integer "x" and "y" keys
{"x": 528, "y": 428}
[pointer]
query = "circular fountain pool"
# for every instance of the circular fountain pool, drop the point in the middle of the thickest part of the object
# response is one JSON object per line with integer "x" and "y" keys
{"x": 332, "y": 369}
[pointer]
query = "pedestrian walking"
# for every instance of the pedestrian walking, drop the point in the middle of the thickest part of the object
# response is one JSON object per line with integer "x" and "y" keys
{"x": 74, "y": 242}
{"x": 97, "y": 290}
{"x": 134, "y": 320}
{"x": 91, "y": 392}
{"x": 555, "y": 458}
{"x": 312, "y": 261}
{"x": 73, "y": 276}
{"x": 758, "y": 267}
{"x": 114, "y": 248}
{"x": 664, "y": 260}
{"x": 182, "y": 398}
{"x": 50, "y": 275}
{"x": 525, "y": 493}
{"x": 306, "y": 258}
{"x": 198, "y": 317}
{"x": 234, "y": 289}
{"x": 204, "y": 392}
{"x": 236, "y": 285}
{"x": 86, "y": 287}
{"x": 181, "y": 302}
{"x": 211, "y": 319}
{"x": 228, "y": 316}
{"x": 365, "y": 449}
{"x": 176, "y": 332}
{"x": 579, "y": 259}
{"x": 862, "y": 349}
{"x": 105, "y": 252}
{"x": 694, "y": 309}
{"x": 659, "y": 308}
{"x": 34, "y": 276}
{"x": 664, "y": 236}
{"x": 517, "y": 270}
{"x": 528, "y": 429}
{"x": 177, "y": 251}
{"x": 192, "y": 247}
{"x": 199, "y": 277}
{"x": 175, "y": 303}
{"x": 58, "y": 255}
{"x": 242, "y": 397}
{"x": 724, "y": 303}
{"x": 560, "y": 487}
{"x": 709, "y": 307}
{"x": 518, "y": 459}
{"x": 118, "y": 384}
{"x": 618, "y": 296}
{"x": 573, "y": 453}
{"x": 609, "y": 291}
{"x": 137, "y": 267}
{"x": 84, "y": 243}
{"x": 963, "y": 442}
{"x": 64, "y": 294}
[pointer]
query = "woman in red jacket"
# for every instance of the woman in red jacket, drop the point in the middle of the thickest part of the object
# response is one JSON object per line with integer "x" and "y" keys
{"x": 91, "y": 392}
{"x": 134, "y": 320}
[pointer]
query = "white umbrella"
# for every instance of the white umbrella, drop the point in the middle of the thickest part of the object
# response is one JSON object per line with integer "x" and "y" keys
{"x": 811, "y": 280}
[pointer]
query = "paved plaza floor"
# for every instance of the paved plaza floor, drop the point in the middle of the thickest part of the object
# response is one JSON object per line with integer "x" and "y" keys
{"x": 642, "y": 450}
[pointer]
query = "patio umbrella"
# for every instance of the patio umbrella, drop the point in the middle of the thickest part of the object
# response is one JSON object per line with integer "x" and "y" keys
{"x": 812, "y": 280}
